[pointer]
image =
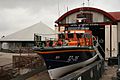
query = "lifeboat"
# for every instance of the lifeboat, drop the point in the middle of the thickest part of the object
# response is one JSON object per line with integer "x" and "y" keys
{"x": 73, "y": 50}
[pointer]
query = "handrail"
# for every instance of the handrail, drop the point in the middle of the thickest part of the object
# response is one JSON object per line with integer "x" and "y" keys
{"x": 95, "y": 47}
{"x": 98, "y": 44}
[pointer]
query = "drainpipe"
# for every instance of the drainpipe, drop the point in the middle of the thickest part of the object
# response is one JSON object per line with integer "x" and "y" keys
{"x": 118, "y": 48}
{"x": 110, "y": 40}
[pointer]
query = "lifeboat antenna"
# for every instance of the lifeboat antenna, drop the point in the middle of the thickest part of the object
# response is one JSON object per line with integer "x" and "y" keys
{"x": 66, "y": 6}
{"x": 83, "y": 3}
{"x": 58, "y": 9}
{"x": 67, "y": 11}
{"x": 88, "y": 3}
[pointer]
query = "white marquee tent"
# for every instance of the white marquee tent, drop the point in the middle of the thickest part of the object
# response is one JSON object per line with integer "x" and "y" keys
{"x": 25, "y": 36}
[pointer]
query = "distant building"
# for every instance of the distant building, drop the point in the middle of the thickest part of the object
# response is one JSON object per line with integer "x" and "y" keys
{"x": 104, "y": 25}
{"x": 24, "y": 38}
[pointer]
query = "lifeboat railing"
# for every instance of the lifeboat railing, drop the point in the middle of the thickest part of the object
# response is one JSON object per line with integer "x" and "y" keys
{"x": 42, "y": 44}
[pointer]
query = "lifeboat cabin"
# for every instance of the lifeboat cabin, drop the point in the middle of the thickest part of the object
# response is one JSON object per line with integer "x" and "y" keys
{"x": 75, "y": 38}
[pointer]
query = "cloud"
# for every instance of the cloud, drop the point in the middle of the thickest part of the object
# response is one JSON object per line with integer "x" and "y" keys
{"x": 15, "y": 19}
{"x": 111, "y": 5}
{"x": 19, "y": 14}
{"x": 27, "y": 3}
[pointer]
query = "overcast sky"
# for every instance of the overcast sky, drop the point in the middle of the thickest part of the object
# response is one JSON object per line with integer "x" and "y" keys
{"x": 19, "y": 14}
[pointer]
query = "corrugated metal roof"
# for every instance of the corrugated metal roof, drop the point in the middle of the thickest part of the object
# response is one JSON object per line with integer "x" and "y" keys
{"x": 116, "y": 15}
{"x": 27, "y": 34}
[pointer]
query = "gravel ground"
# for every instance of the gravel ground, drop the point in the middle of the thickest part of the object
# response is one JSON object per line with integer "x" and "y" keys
{"x": 5, "y": 58}
{"x": 110, "y": 73}
{"x": 41, "y": 76}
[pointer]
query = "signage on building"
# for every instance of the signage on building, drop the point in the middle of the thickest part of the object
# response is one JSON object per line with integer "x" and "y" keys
{"x": 77, "y": 28}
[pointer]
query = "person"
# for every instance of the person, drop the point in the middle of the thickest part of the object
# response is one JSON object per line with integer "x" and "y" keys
{"x": 47, "y": 43}
{"x": 78, "y": 41}
{"x": 50, "y": 43}
{"x": 54, "y": 44}
{"x": 60, "y": 42}
{"x": 94, "y": 41}
{"x": 66, "y": 42}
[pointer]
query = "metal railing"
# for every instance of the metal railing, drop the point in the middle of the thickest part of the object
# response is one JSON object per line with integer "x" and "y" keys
{"x": 96, "y": 47}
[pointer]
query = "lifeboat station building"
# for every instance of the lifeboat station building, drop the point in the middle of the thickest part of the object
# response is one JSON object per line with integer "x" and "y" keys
{"x": 104, "y": 25}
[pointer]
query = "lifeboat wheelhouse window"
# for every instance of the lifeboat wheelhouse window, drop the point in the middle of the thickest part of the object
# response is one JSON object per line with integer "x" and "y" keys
{"x": 70, "y": 35}
{"x": 88, "y": 36}
{"x": 61, "y": 36}
{"x": 78, "y": 35}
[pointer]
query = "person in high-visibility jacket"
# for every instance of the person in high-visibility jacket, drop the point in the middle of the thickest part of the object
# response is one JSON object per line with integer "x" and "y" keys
{"x": 60, "y": 42}
{"x": 78, "y": 42}
{"x": 54, "y": 44}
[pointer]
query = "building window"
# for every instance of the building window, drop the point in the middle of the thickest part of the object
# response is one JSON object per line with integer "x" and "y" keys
{"x": 85, "y": 17}
{"x": 70, "y": 35}
{"x": 61, "y": 36}
{"x": 106, "y": 19}
{"x": 24, "y": 44}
